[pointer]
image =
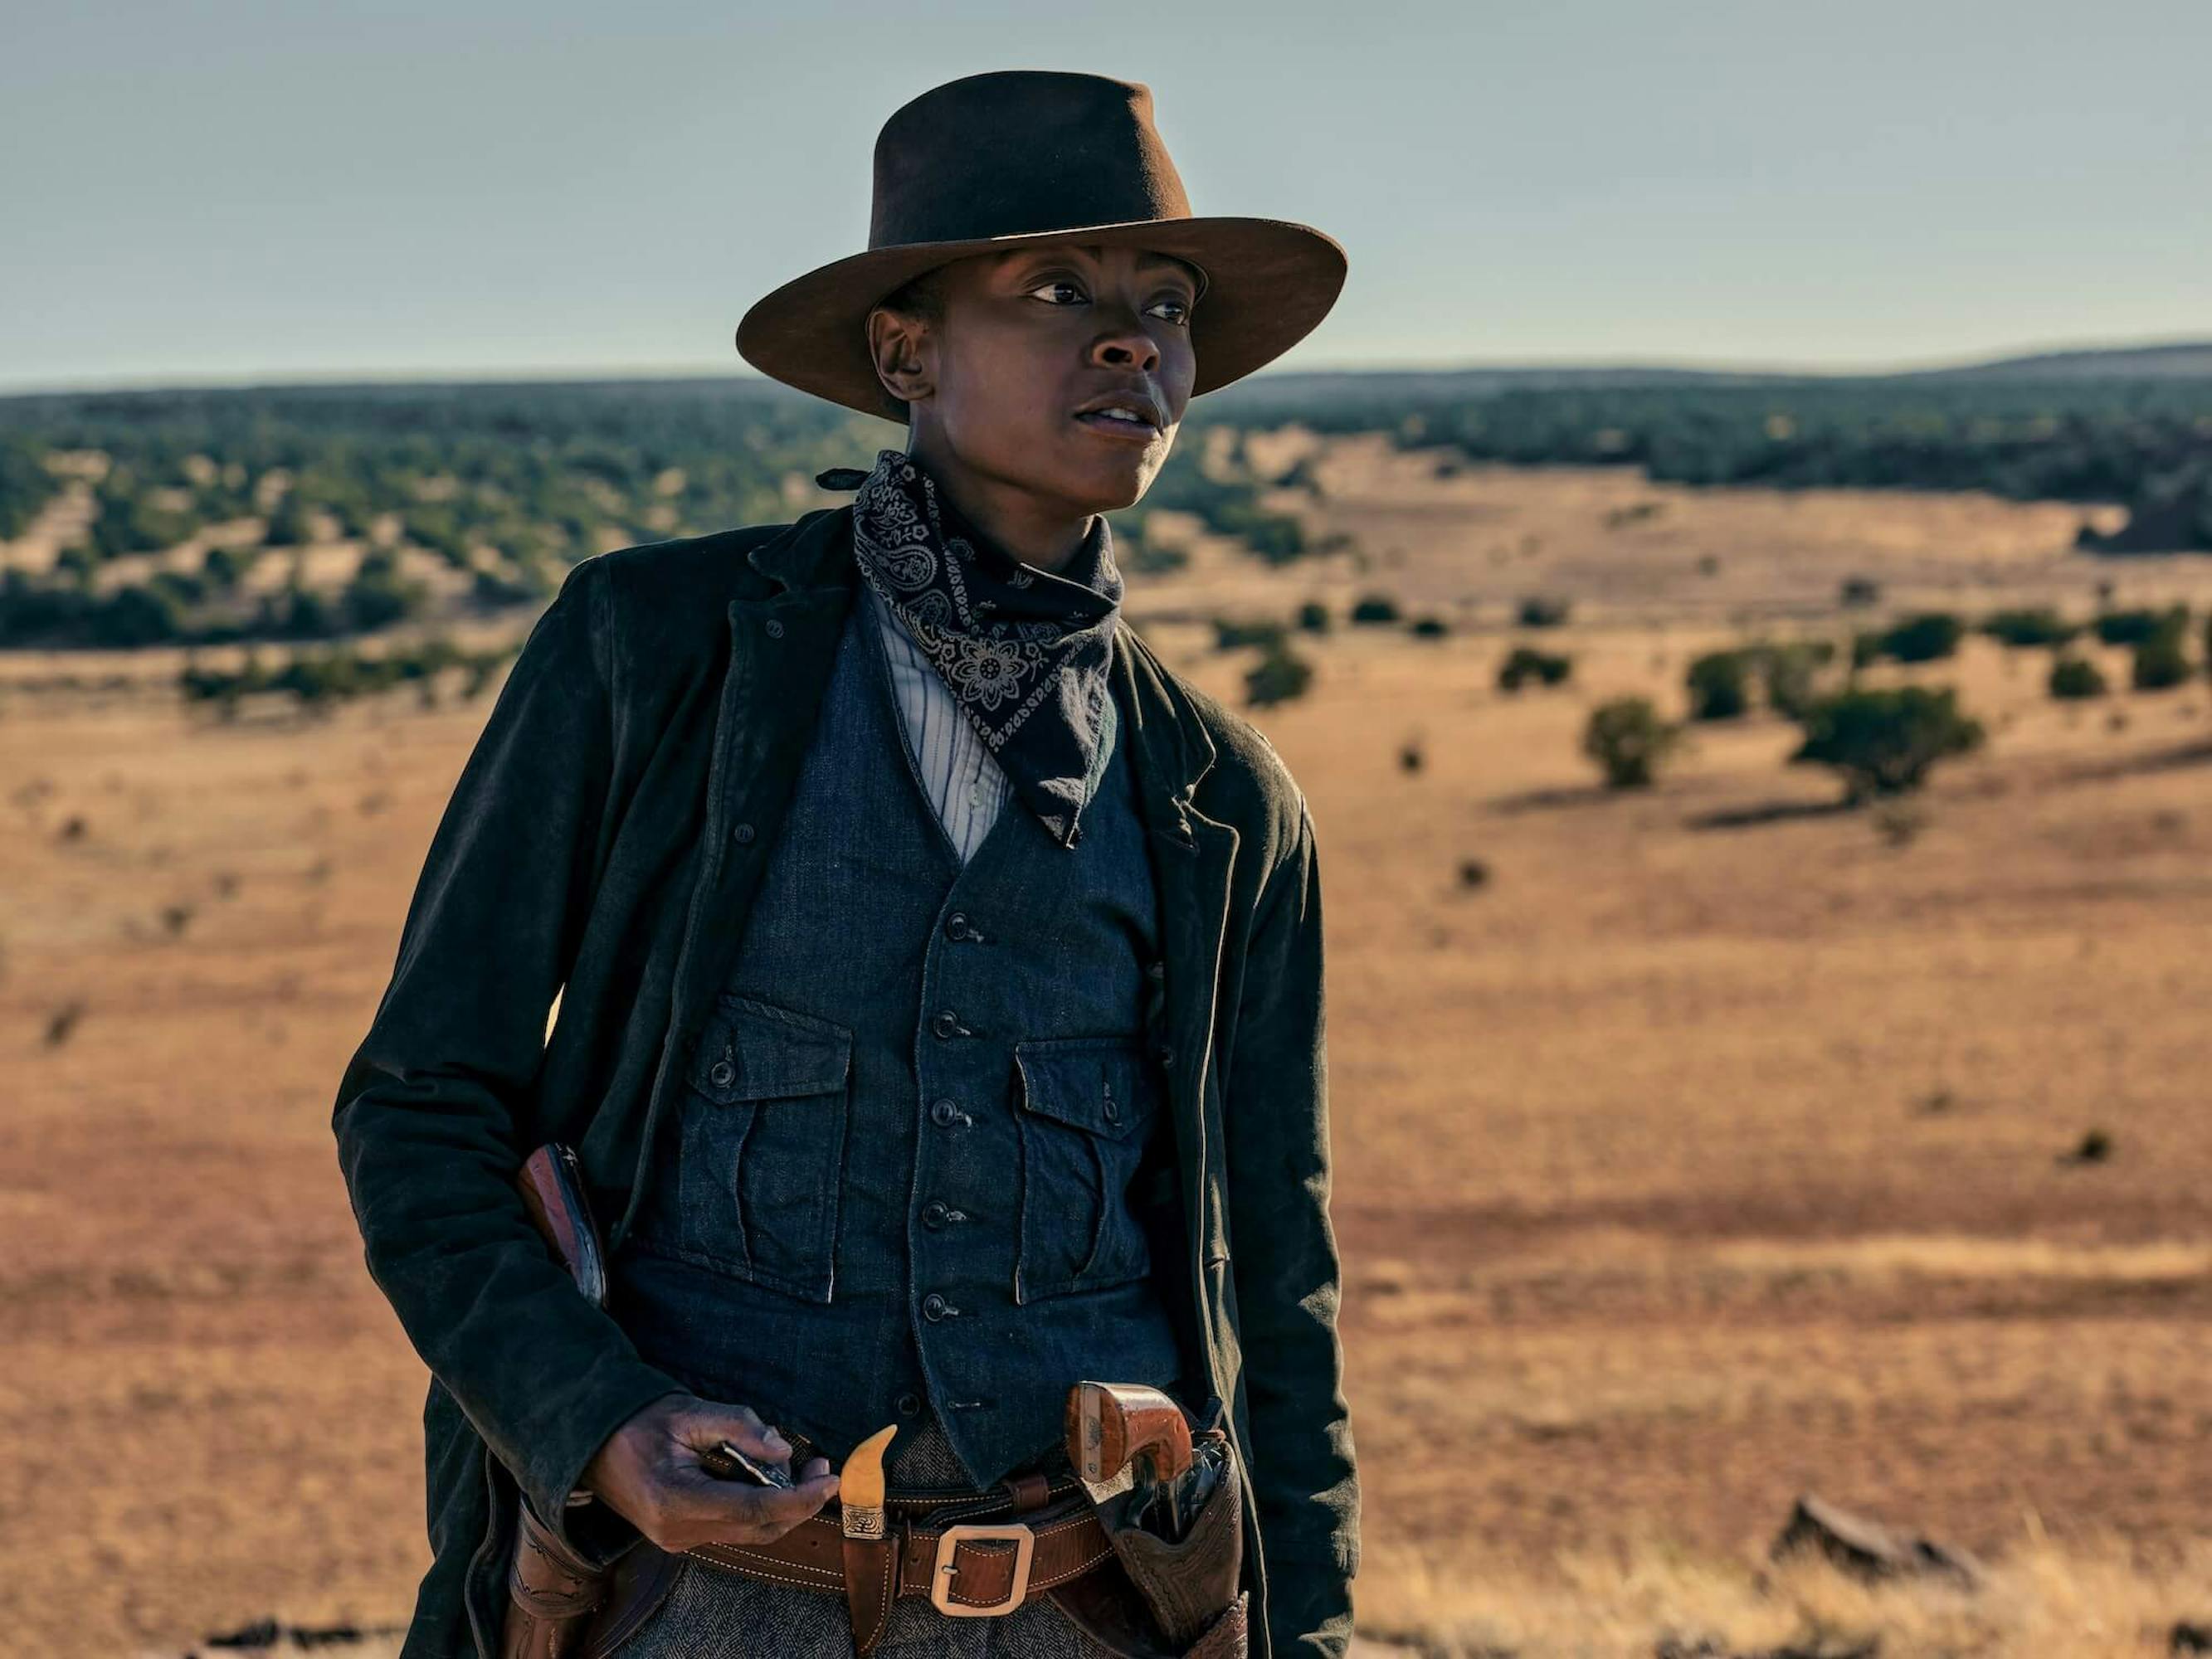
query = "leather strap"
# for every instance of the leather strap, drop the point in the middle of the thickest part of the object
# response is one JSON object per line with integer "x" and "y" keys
{"x": 812, "y": 1555}
{"x": 1066, "y": 1541}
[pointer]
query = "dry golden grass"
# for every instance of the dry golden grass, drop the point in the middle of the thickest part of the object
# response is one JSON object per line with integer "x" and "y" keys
{"x": 1709, "y": 1152}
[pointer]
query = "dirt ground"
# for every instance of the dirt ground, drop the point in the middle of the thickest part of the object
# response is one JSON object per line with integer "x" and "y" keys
{"x": 1712, "y": 1147}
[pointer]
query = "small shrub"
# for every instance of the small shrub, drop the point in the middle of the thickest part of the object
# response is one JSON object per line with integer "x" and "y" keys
{"x": 2161, "y": 662}
{"x": 2026, "y": 628}
{"x": 1313, "y": 617}
{"x": 1719, "y": 684}
{"x": 2073, "y": 677}
{"x": 1230, "y": 633}
{"x": 1372, "y": 608}
{"x": 1628, "y": 739}
{"x": 1474, "y": 872}
{"x": 1898, "y": 823}
{"x": 1524, "y": 663}
{"x": 1279, "y": 676}
{"x": 1789, "y": 671}
{"x": 2096, "y": 1146}
{"x": 1883, "y": 741}
{"x": 1924, "y": 638}
{"x": 1858, "y": 592}
{"x": 1542, "y": 611}
{"x": 2135, "y": 627}
{"x": 1429, "y": 628}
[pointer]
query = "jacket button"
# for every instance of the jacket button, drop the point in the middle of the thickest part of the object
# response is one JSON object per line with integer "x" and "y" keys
{"x": 932, "y": 1213}
{"x": 956, "y": 925}
{"x": 935, "y": 1307}
{"x": 943, "y": 1112}
{"x": 775, "y": 628}
{"x": 909, "y": 1404}
{"x": 723, "y": 1074}
{"x": 946, "y": 1024}
{"x": 1113, "y": 1109}
{"x": 1167, "y": 1056}
{"x": 743, "y": 835}
{"x": 1156, "y": 970}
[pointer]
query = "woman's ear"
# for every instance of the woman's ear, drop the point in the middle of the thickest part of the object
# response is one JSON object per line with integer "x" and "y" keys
{"x": 897, "y": 343}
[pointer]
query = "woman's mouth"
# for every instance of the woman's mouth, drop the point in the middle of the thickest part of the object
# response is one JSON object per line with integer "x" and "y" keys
{"x": 1120, "y": 425}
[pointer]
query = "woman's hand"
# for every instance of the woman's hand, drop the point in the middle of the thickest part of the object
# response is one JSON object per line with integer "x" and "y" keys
{"x": 649, "y": 1472}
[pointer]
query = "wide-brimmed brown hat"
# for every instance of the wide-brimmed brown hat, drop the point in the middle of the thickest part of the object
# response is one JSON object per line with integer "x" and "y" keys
{"x": 996, "y": 162}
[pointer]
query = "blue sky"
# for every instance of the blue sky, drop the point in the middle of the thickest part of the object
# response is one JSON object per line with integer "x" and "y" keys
{"x": 202, "y": 192}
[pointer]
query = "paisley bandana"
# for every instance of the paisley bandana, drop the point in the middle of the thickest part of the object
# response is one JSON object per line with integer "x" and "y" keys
{"x": 1023, "y": 651}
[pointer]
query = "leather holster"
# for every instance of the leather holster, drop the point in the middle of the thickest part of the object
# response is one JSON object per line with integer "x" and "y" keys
{"x": 551, "y": 1593}
{"x": 1191, "y": 1586}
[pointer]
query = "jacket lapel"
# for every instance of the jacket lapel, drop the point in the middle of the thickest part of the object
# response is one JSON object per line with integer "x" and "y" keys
{"x": 1193, "y": 858}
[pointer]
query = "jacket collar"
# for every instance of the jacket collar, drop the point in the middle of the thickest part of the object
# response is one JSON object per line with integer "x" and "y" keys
{"x": 813, "y": 557}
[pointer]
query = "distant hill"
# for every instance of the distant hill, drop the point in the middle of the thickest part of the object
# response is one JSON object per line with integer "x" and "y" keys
{"x": 2184, "y": 360}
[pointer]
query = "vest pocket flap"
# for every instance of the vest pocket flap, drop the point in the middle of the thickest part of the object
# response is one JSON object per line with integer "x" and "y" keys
{"x": 754, "y": 1050}
{"x": 1097, "y": 1083}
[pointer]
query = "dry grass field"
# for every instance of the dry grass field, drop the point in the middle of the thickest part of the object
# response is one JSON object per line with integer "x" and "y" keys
{"x": 1710, "y": 1149}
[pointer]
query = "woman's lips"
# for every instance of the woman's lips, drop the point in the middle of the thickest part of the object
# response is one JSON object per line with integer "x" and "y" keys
{"x": 1128, "y": 431}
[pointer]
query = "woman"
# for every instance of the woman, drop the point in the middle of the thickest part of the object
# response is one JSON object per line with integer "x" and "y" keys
{"x": 928, "y": 955}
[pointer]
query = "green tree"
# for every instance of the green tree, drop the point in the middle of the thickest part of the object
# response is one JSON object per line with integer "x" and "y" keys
{"x": 1924, "y": 638}
{"x": 2161, "y": 662}
{"x": 2075, "y": 678}
{"x": 2023, "y": 628}
{"x": 1883, "y": 741}
{"x": 1719, "y": 684}
{"x": 1279, "y": 676}
{"x": 1628, "y": 741}
{"x": 1525, "y": 663}
{"x": 1372, "y": 608}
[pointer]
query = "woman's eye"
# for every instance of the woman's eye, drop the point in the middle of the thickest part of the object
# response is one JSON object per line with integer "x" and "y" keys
{"x": 1181, "y": 314}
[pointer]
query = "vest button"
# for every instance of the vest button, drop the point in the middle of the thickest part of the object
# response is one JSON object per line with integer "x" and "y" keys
{"x": 743, "y": 835}
{"x": 946, "y": 1023}
{"x": 934, "y": 1307}
{"x": 909, "y": 1404}
{"x": 943, "y": 1112}
{"x": 956, "y": 925}
{"x": 775, "y": 628}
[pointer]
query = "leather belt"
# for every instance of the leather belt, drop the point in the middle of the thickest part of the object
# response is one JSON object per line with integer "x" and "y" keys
{"x": 972, "y": 1554}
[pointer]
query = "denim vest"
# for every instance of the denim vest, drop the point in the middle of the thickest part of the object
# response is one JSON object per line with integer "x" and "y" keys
{"x": 902, "y": 1180}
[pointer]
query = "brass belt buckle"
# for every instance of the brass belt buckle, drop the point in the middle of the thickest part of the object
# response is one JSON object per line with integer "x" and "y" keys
{"x": 945, "y": 1569}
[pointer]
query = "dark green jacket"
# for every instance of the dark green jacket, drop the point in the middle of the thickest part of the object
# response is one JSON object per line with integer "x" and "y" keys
{"x": 603, "y": 844}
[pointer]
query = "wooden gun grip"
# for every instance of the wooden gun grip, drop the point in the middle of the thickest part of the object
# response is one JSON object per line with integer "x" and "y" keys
{"x": 552, "y": 1187}
{"x": 1109, "y": 1424}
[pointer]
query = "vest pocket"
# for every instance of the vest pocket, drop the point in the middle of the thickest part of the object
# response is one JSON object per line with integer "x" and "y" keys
{"x": 763, "y": 1143}
{"x": 1087, "y": 1105}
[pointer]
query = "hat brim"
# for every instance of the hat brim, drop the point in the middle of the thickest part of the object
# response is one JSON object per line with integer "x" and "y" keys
{"x": 1269, "y": 282}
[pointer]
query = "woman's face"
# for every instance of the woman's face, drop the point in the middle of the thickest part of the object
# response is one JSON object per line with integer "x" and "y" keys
{"x": 1024, "y": 340}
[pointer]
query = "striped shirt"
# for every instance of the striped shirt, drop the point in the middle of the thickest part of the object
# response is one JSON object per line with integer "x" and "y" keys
{"x": 962, "y": 779}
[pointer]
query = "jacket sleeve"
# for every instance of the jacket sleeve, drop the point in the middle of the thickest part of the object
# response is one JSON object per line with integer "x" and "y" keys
{"x": 432, "y": 1105}
{"x": 1305, "y": 1488}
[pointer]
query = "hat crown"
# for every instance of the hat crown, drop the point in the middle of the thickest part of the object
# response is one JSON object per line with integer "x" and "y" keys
{"x": 1018, "y": 152}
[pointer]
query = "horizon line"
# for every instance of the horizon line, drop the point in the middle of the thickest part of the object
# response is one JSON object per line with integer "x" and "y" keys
{"x": 1769, "y": 368}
